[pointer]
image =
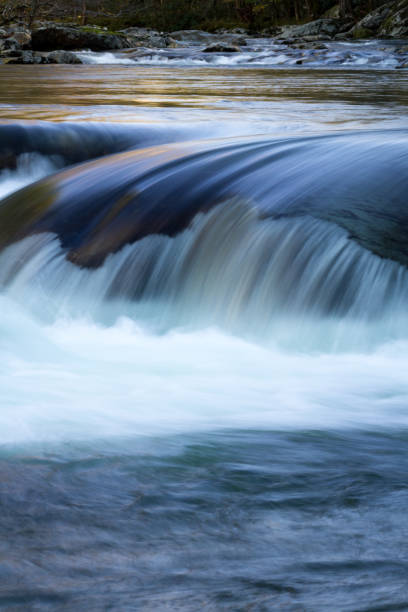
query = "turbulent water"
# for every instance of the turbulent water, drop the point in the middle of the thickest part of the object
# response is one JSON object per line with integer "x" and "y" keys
{"x": 204, "y": 337}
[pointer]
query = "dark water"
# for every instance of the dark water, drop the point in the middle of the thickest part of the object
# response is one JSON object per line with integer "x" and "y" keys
{"x": 204, "y": 412}
{"x": 232, "y": 520}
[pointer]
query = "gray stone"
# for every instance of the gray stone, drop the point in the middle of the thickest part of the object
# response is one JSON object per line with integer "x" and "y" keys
{"x": 28, "y": 57}
{"x": 197, "y": 36}
{"x": 63, "y": 57}
{"x": 388, "y": 21}
{"x": 317, "y": 28}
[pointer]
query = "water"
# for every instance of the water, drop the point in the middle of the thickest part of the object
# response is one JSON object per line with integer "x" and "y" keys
{"x": 215, "y": 419}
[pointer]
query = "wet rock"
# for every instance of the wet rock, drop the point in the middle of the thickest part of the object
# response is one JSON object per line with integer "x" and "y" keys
{"x": 171, "y": 43}
{"x": 28, "y": 57}
{"x": 317, "y": 28}
{"x": 221, "y": 47}
{"x": 11, "y": 53}
{"x": 317, "y": 38}
{"x": 53, "y": 37}
{"x": 10, "y": 44}
{"x": 145, "y": 37}
{"x": 195, "y": 36}
{"x": 63, "y": 57}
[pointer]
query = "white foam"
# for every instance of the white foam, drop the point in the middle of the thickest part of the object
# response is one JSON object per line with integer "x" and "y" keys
{"x": 75, "y": 380}
{"x": 30, "y": 167}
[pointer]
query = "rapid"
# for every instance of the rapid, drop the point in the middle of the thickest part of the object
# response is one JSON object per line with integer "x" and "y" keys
{"x": 204, "y": 336}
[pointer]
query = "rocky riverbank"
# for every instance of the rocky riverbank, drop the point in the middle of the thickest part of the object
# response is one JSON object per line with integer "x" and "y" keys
{"x": 54, "y": 43}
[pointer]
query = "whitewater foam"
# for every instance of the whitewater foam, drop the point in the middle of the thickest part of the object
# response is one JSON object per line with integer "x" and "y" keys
{"x": 30, "y": 167}
{"x": 163, "y": 339}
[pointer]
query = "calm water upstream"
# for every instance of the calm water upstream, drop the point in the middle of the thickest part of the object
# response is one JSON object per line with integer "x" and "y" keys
{"x": 204, "y": 336}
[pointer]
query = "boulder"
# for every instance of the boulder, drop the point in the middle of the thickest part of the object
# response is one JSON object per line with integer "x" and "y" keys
{"x": 388, "y": 21}
{"x": 145, "y": 37}
{"x": 194, "y": 36}
{"x": 28, "y": 57}
{"x": 396, "y": 24}
{"x": 62, "y": 57}
{"x": 221, "y": 47}
{"x": 55, "y": 36}
{"x": 316, "y": 29}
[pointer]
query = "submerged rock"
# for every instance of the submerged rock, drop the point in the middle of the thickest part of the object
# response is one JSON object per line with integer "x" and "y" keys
{"x": 63, "y": 57}
{"x": 55, "y": 57}
{"x": 28, "y": 57}
{"x": 221, "y": 47}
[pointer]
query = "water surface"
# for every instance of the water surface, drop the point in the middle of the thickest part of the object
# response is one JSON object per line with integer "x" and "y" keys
{"x": 198, "y": 423}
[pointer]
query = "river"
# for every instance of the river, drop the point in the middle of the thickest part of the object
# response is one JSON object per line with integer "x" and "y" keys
{"x": 204, "y": 335}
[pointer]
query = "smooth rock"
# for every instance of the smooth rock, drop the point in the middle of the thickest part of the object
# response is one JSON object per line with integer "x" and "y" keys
{"x": 53, "y": 37}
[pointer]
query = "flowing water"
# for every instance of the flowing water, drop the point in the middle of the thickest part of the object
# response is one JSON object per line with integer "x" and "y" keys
{"x": 204, "y": 334}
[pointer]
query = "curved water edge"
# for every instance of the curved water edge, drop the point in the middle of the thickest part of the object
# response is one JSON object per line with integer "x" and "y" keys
{"x": 98, "y": 208}
{"x": 253, "y": 237}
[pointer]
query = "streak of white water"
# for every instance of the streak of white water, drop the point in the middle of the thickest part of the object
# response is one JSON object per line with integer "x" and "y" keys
{"x": 76, "y": 380}
{"x": 30, "y": 167}
{"x": 79, "y": 374}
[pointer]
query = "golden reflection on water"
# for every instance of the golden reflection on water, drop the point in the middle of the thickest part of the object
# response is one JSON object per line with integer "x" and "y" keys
{"x": 78, "y": 92}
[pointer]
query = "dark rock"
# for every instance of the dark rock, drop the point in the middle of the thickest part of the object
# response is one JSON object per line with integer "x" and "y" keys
{"x": 10, "y": 44}
{"x": 221, "y": 47}
{"x": 8, "y": 160}
{"x": 63, "y": 57}
{"x": 396, "y": 25}
{"x": 11, "y": 53}
{"x": 28, "y": 57}
{"x": 53, "y": 37}
{"x": 388, "y": 21}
